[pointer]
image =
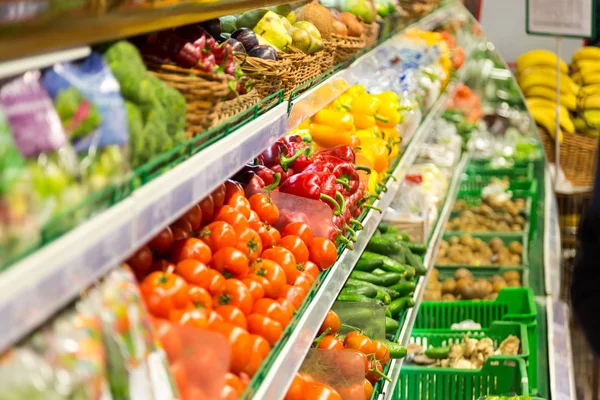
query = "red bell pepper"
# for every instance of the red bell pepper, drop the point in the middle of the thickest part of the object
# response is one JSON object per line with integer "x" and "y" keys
{"x": 344, "y": 153}
{"x": 309, "y": 185}
{"x": 258, "y": 176}
{"x": 177, "y": 49}
{"x": 279, "y": 153}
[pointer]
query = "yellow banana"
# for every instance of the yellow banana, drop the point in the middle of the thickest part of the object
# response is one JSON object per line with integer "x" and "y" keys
{"x": 582, "y": 127}
{"x": 591, "y": 78}
{"x": 587, "y": 53}
{"x": 540, "y": 102}
{"x": 587, "y": 66}
{"x": 543, "y": 80}
{"x": 592, "y": 117}
{"x": 577, "y": 78}
{"x": 564, "y": 118}
{"x": 547, "y": 122}
{"x": 548, "y": 73}
{"x": 567, "y": 100}
{"x": 540, "y": 58}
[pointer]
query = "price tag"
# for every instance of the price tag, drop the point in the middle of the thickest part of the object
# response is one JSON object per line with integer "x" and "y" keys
{"x": 572, "y": 18}
{"x": 563, "y": 370}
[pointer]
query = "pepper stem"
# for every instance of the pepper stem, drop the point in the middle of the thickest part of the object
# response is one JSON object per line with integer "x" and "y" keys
{"x": 379, "y": 117}
{"x": 346, "y": 107}
{"x": 372, "y": 207}
{"x": 276, "y": 180}
{"x": 363, "y": 168}
{"x": 359, "y": 225}
{"x": 333, "y": 202}
{"x": 286, "y": 161}
{"x": 343, "y": 240}
{"x": 352, "y": 232}
{"x": 343, "y": 183}
{"x": 341, "y": 202}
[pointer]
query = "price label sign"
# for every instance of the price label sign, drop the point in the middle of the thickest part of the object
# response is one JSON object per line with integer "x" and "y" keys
{"x": 568, "y": 18}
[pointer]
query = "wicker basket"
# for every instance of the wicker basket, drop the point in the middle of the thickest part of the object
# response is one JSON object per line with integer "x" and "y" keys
{"x": 578, "y": 156}
{"x": 227, "y": 109}
{"x": 304, "y": 68}
{"x": 344, "y": 48}
{"x": 270, "y": 76}
{"x": 202, "y": 92}
{"x": 371, "y": 33}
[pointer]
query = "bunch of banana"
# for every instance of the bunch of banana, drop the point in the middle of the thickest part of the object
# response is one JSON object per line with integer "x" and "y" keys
{"x": 585, "y": 67}
{"x": 536, "y": 75}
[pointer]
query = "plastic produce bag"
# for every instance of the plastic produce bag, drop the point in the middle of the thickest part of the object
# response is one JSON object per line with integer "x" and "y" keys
{"x": 18, "y": 216}
{"x": 64, "y": 360}
{"x": 367, "y": 317}
{"x": 88, "y": 101}
{"x": 40, "y": 138}
{"x": 342, "y": 370}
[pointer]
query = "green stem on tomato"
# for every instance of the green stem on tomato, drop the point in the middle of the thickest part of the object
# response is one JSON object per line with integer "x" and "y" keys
{"x": 320, "y": 338}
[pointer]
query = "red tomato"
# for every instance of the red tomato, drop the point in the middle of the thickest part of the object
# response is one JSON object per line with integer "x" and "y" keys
{"x": 368, "y": 389}
{"x": 375, "y": 371}
{"x": 320, "y": 391}
{"x": 256, "y": 288}
{"x": 241, "y": 345}
{"x": 363, "y": 357}
{"x": 228, "y": 393}
{"x": 286, "y": 260}
{"x": 249, "y": 243}
{"x": 294, "y": 244}
{"x": 266, "y": 327}
{"x": 240, "y": 203}
{"x": 311, "y": 269}
{"x": 235, "y": 293}
{"x": 233, "y": 218}
{"x": 232, "y": 188}
{"x": 263, "y": 205}
{"x": 194, "y": 217}
{"x": 172, "y": 285}
{"x": 382, "y": 353}
{"x": 222, "y": 210}
{"x": 254, "y": 364}
{"x": 260, "y": 345}
{"x": 354, "y": 391}
{"x": 268, "y": 235}
{"x": 179, "y": 375}
{"x": 140, "y": 262}
{"x": 253, "y": 217}
{"x": 194, "y": 318}
{"x": 168, "y": 338}
{"x": 207, "y": 206}
{"x": 299, "y": 229}
{"x": 189, "y": 269}
{"x": 331, "y": 322}
{"x": 232, "y": 314}
{"x": 296, "y": 390}
{"x": 230, "y": 262}
{"x": 218, "y": 195}
{"x": 200, "y": 298}
{"x": 235, "y": 382}
{"x": 161, "y": 243}
{"x": 294, "y": 294}
{"x": 218, "y": 234}
{"x": 190, "y": 248}
{"x": 180, "y": 234}
{"x": 159, "y": 303}
{"x": 271, "y": 276}
{"x": 322, "y": 252}
{"x": 273, "y": 310}
{"x": 305, "y": 281}
{"x": 162, "y": 266}
{"x": 287, "y": 306}
{"x": 193, "y": 393}
{"x": 214, "y": 320}
{"x": 210, "y": 280}
{"x": 358, "y": 341}
{"x": 184, "y": 225}
{"x": 331, "y": 342}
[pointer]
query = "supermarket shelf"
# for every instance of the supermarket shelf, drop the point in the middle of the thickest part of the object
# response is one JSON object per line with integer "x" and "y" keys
{"x": 430, "y": 256}
{"x": 35, "y": 288}
{"x": 552, "y": 243}
{"x": 66, "y": 31}
{"x": 276, "y": 381}
{"x": 11, "y": 68}
{"x": 314, "y": 98}
{"x": 560, "y": 353}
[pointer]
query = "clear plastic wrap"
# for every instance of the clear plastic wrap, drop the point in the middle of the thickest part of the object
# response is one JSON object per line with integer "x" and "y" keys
{"x": 366, "y": 317}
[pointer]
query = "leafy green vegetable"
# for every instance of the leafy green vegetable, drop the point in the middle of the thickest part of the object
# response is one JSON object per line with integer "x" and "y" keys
{"x": 78, "y": 115}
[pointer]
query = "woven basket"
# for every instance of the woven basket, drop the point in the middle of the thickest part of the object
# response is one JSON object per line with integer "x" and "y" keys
{"x": 270, "y": 76}
{"x": 371, "y": 33}
{"x": 227, "y": 109}
{"x": 344, "y": 48}
{"x": 304, "y": 68}
{"x": 202, "y": 92}
{"x": 578, "y": 156}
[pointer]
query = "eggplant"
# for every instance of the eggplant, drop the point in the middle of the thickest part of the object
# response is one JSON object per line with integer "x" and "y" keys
{"x": 263, "y": 51}
{"x": 237, "y": 46}
{"x": 213, "y": 27}
{"x": 246, "y": 37}
{"x": 191, "y": 32}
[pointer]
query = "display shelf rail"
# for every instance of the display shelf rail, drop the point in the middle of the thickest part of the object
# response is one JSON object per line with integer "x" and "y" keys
{"x": 35, "y": 288}
{"x": 560, "y": 352}
{"x": 59, "y": 31}
{"x": 552, "y": 243}
{"x": 281, "y": 371}
{"x": 19, "y": 66}
{"x": 429, "y": 261}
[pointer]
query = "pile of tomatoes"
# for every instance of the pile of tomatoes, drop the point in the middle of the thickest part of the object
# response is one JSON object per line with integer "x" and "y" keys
{"x": 373, "y": 353}
{"x": 223, "y": 267}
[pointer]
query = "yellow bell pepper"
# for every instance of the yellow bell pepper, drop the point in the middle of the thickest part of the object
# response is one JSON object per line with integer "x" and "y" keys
{"x": 377, "y": 151}
{"x": 373, "y": 182}
{"x": 342, "y": 103}
{"x": 365, "y": 110}
{"x": 356, "y": 90}
{"x": 390, "y": 115}
{"x": 336, "y": 119}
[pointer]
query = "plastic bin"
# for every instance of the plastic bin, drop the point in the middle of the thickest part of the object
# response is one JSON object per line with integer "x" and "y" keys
{"x": 506, "y": 375}
{"x": 521, "y": 170}
{"x": 512, "y": 304}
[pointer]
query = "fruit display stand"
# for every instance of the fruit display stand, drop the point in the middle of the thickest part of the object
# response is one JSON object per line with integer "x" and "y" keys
{"x": 76, "y": 252}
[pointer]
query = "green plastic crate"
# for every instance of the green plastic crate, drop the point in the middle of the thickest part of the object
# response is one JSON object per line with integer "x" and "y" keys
{"x": 498, "y": 331}
{"x": 506, "y": 238}
{"x": 506, "y": 375}
{"x": 478, "y": 182}
{"x": 485, "y": 272}
{"x": 512, "y": 304}
{"x": 520, "y": 170}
